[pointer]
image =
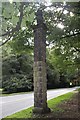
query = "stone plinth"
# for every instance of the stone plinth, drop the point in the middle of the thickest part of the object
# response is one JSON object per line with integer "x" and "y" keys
{"x": 40, "y": 88}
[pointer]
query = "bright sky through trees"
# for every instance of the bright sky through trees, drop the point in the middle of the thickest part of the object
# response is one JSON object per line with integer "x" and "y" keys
{"x": 60, "y": 25}
{"x": 11, "y": 1}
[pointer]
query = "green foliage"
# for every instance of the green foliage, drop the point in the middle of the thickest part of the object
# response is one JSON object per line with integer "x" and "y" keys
{"x": 66, "y": 67}
{"x": 17, "y": 84}
{"x": 21, "y": 44}
{"x": 63, "y": 57}
{"x": 17, "y": 73}
{"x": 53, "y": 76}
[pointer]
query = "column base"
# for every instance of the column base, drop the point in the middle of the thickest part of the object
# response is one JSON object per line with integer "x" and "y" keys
{"x": 38, "y": 110}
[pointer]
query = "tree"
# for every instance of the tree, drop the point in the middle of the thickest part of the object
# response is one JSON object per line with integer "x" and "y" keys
{"x": 54, "y": 16}
{"x": 53, "y": 76}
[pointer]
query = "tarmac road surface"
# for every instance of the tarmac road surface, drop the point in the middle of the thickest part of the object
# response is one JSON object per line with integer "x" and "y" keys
{"x": 14, "y": 103}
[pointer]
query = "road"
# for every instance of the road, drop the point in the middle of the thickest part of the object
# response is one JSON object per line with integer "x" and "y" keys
{"x": 15, "y": 103}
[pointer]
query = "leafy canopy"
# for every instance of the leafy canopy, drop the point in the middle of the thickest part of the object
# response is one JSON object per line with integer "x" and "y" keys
{"x": 63, "y": 31}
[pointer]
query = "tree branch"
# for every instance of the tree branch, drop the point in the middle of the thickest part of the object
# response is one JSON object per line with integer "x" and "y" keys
{"x": 2, "y": 43}
{"x": 72, "y": 35}
{"x": 5, "y": 41}
{"x": 77, "y": 49}
{"x": 67, "y": 36}
{"x": 18, "y": 26}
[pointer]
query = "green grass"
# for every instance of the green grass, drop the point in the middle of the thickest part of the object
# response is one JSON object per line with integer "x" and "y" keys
{"x": 22, "y": 114}
{"x": 53, "y": 103}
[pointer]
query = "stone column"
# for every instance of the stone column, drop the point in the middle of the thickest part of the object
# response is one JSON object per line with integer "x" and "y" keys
{"x": 40, "y": 81}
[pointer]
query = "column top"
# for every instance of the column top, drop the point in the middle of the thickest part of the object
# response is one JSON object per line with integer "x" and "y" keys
{"x": 39, "y": 16}
{"x": 40, "y": 20}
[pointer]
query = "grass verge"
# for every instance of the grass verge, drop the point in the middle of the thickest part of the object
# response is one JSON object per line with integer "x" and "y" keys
{"x": 53, "y": 104}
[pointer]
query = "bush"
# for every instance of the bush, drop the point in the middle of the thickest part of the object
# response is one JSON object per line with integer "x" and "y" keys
{"x": 17, "y": 74}
{"x": 17, "y": 84}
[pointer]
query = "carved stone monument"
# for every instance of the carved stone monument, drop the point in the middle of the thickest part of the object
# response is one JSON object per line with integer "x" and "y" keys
{"x": 40, "y": 81}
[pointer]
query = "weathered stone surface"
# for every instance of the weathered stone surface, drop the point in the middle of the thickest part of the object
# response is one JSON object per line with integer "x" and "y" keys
{"x": 40, "y": 81}
{"x": 40, "y": 44}
{"x": 41, "y": 110}
{"x": 40, "y": 87}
